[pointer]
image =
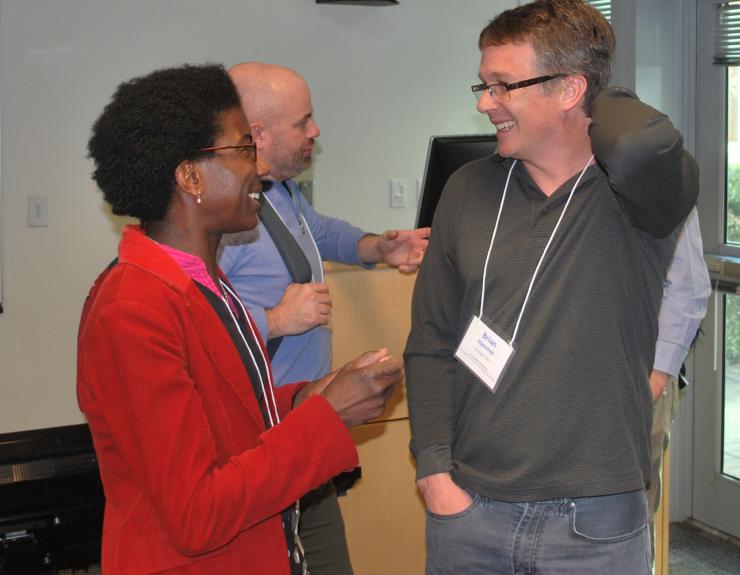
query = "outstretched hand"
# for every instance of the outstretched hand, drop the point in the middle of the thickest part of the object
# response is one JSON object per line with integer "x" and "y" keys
{"x": 404, "y": 249}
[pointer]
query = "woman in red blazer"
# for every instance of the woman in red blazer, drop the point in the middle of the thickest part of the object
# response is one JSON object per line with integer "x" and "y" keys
{"x": 201, "y": 459}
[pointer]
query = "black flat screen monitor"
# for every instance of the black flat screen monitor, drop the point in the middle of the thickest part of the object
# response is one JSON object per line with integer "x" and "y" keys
{"x": 445, "y": 155}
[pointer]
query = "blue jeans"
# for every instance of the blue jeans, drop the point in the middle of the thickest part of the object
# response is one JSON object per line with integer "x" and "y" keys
{"x": 591, "y": 535}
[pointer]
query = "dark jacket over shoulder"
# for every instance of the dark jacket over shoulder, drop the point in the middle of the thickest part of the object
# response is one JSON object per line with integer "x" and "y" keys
{"x": 639, "y": 149}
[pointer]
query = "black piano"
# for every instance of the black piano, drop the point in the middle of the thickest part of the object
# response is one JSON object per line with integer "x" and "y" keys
{"x": 51, "y": 501}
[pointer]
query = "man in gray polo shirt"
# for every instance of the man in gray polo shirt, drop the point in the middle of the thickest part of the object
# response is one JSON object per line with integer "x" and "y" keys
{"x": 535, "y": 310}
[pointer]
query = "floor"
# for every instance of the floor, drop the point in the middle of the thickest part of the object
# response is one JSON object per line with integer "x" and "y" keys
{"x": 694, "y": 551}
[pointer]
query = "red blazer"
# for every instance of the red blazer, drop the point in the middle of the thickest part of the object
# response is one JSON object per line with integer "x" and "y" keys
{"x": 193, "y": 481}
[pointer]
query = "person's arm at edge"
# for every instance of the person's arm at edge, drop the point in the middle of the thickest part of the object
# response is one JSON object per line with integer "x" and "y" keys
{"x": 684, "y": 304}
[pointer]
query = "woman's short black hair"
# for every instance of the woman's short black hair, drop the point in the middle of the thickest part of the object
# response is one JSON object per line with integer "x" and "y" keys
{"x": 151, "y": 124}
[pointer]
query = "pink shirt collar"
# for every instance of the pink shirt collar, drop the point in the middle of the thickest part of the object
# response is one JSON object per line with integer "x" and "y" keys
{"x": 193, "y": 266}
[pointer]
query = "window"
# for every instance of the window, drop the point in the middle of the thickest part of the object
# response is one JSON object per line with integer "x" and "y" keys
{"x": 727, "y": 55}
{"x": 732, "y": 148}
{"x": 603, "y": 6}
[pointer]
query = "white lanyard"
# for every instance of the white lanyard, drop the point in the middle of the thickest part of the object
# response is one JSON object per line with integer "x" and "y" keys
{"x": 298, "y": 552}
{"x": 542, "y": 257}
{"x": 267, "y": 391}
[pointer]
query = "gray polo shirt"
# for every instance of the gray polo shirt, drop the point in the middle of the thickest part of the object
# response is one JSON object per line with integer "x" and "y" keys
{"x": 571, "y": 415}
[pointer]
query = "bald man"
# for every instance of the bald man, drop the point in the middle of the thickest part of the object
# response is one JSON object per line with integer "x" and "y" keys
{"x": 278, "y": 106}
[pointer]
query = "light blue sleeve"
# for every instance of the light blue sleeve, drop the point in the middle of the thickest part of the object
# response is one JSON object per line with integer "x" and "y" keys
{"x": 685, "y": 296}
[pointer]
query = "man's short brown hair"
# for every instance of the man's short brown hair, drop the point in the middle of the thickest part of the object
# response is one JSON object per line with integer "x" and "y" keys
{"x": 568, "y": 37}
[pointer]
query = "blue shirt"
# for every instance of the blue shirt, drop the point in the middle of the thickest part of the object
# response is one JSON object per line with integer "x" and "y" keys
{"x": 256, "y": 269}
{"x": 685, "y": 295}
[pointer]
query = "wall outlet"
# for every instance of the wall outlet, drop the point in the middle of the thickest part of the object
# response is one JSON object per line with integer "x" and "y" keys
{"x": 398, "y": 192}
{"x": 38, "y": 211}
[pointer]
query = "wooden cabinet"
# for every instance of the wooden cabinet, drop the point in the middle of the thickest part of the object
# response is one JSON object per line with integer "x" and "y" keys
{"x": 662, "y": 520}
{"x": 383, "y": 514}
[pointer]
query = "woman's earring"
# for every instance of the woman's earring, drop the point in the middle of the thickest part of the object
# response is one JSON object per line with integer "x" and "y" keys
{"x": 198, "y": 200}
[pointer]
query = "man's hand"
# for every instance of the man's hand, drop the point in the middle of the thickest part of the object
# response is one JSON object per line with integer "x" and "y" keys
{"x": 402, "y": 249}
{"x": 302, "y": 307}
{"x": 358, "y": 392}
{"x": 658, "y": 382}
{"x": 442, "y": 496}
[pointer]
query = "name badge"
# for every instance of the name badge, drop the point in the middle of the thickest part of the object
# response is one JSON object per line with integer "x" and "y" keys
{"x": 484, "y": 352}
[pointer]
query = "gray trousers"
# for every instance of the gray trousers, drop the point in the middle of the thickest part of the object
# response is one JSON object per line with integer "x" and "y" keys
{"x": 583, "y": 536}
{"x": 322, "y": 532}
{"x": 664, "y": 408}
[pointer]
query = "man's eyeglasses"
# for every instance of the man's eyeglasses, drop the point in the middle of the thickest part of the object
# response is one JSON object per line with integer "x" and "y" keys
{"x": 500, "y": 90}
{"x": 250, "y": 150}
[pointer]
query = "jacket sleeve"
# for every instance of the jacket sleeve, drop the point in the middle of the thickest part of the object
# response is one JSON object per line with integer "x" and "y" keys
{"x": 654, "y": 178}
{"x": 134, "y": 384}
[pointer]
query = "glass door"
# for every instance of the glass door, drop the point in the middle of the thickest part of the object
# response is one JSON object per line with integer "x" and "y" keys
{"x": 716, "y": 492}
{"x": 716, "y": 393}
{"x": 730, "y": 445}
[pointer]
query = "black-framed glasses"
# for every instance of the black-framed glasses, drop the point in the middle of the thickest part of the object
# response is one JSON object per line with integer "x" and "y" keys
{"x": 250, "y": 150}
{"x": 500, "y": 90}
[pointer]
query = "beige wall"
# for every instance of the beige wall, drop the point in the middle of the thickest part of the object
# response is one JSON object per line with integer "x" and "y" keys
{"x": 384, "y": 80}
